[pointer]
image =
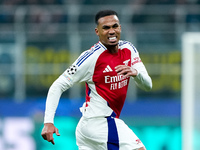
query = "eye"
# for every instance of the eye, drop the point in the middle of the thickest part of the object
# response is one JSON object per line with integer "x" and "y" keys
{"x": 115, "y": 26}
{"x": 106, "y": 27}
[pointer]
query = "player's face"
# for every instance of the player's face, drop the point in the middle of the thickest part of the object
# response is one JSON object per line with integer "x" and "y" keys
{"x": 109, "y": 30}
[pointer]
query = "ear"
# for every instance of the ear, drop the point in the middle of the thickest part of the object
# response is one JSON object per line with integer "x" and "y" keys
{"x": 97, "y": 31}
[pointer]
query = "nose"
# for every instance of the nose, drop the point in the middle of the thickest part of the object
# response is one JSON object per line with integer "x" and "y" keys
{"x": 111, "y": 31}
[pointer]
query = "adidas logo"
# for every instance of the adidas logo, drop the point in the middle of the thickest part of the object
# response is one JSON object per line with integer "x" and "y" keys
{"x": 107, "y": 69}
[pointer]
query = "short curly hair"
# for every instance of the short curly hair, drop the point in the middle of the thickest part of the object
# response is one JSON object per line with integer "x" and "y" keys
{"x": 104, "y": 13}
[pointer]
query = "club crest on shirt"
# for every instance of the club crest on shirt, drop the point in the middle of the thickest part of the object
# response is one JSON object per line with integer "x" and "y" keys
{"x": 126, "y": 62}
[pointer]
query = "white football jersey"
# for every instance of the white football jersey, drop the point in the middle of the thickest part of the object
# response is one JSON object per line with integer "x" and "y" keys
{"x": 105, "y": 89}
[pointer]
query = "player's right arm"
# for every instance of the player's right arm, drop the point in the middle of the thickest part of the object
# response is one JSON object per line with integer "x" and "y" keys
{"x": 54, "y": 93}
{"x": 48, "y": 131}
{"x": 71, "y": 75}
{"x": 142, "y": 79}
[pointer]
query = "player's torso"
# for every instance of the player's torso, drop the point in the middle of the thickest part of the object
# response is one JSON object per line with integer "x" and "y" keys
{"x": 109, "y": 85}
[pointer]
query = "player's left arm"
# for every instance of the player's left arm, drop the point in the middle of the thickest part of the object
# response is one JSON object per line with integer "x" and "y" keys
{"x": 142, "y": 79}
{"x": 140, "y": 75}
{"x": 127, "y": 71}
{"x": 137, "y": 70}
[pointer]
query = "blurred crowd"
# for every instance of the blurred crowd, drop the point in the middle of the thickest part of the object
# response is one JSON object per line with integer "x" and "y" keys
{"x": 30, "y": 2}
{"x": 47, "y": 18}
{"x": 40, "y": 14}
{"x": 58, "y": 2}
{"x": 41, "y": 20}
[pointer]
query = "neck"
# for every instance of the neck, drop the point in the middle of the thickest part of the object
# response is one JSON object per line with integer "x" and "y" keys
{"x": 112, "y": 48}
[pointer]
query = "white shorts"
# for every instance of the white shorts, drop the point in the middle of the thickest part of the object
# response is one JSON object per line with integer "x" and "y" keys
{"x": 105, "y": 134}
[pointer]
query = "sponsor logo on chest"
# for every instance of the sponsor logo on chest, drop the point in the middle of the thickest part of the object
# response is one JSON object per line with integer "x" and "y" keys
{"x": 112, "y": 79}
{"x": 116, "y": 82}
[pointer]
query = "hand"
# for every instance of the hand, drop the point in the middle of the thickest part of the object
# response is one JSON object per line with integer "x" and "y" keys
{"x": 127, "y": 71}
{"x": 47, "y": 132}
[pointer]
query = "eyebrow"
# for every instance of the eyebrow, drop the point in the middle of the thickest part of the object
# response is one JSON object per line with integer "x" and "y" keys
{"x": 108, "y": 27}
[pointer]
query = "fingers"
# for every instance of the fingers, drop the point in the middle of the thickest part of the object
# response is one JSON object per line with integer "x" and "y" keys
{"x": 44, "y": 136}
{"x": 48, "y": 137}
{"x": 47, "y": 132}
{"x": 52, "y": 141}
{"x": 57, "y": 133}
{"x": 125, "y": 70}
{"x": 122, "y": 70}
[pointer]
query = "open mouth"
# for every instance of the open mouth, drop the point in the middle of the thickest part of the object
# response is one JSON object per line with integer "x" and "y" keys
{"x": 112, "y": 39}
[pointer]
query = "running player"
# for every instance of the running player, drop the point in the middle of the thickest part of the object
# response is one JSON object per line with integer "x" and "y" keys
{"x": 106, "y": 68}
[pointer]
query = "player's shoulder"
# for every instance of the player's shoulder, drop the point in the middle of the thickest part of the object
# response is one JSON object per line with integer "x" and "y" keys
{"x": 95, "y": 48}
{"x": 127, "y": 44}
{"x": 90, "y": 51}
{"x": 91, "y": 54}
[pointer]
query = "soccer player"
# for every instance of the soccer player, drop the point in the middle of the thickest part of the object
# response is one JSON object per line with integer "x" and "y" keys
{"x": 106, "y": 68}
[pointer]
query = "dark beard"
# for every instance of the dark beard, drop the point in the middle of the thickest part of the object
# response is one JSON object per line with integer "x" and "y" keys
{"x": 112, "y": 48}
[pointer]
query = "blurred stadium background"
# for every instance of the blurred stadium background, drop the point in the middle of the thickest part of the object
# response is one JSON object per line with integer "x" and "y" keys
{"x": 39, "y": 39}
